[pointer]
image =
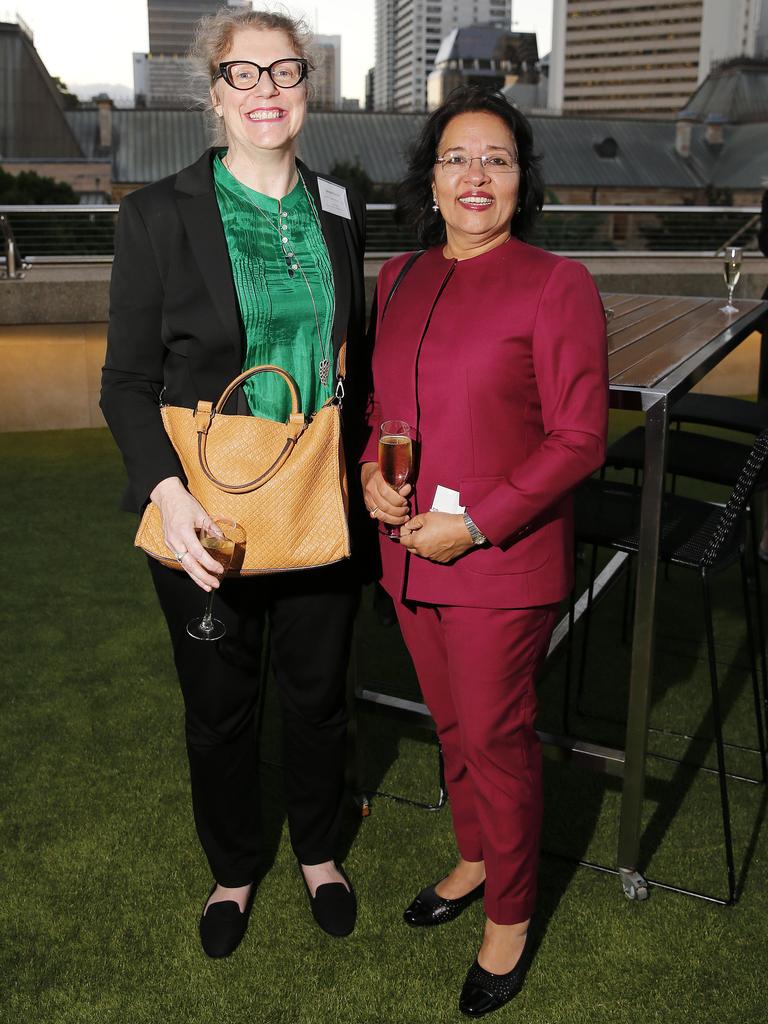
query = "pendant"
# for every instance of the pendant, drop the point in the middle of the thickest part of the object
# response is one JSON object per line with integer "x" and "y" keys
{"x": 325, "y": 369}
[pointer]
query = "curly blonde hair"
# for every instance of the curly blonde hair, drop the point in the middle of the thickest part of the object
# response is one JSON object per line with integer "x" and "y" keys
{"x": 213, "y": 39}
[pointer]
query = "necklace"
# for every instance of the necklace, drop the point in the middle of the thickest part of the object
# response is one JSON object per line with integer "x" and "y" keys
{"x": 293, "y": 264}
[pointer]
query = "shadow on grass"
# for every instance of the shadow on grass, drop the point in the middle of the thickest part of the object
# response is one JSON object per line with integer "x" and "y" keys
{"x": 676, "y": 788}
{"x": 572, "y": 804}
{"x": 684, "y": 682}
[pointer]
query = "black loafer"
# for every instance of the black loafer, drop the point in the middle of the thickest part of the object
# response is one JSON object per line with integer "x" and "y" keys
{"x": 429, "y": 909}
{"x": 223, "y": 925}
{"x": 484, "y": 992}
{"x": 334, "y": 906}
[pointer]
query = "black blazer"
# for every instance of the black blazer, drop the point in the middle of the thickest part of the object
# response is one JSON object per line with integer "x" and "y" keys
{"x": 174, "y": 318}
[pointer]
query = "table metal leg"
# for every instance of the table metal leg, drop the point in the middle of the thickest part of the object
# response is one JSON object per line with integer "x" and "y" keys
{"x": 641, "y": 672}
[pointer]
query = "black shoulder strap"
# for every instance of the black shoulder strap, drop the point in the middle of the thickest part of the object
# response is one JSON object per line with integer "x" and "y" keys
{"x": 403, "y": 271}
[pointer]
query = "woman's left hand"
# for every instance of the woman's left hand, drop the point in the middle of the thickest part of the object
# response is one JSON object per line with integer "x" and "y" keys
{"x": 438, "y": 536}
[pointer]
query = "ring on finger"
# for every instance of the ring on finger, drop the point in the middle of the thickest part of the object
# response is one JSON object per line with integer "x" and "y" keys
{"x": 180, "y": 554}
{"x": 374, "y": 510}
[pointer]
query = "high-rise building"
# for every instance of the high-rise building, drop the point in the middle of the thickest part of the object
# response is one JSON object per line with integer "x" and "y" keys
{"x": 161, "y": 77}
{"x": 645, "y": 57}
{"x": 496, "y": 58}
{"x": 172, "y": 22}
{"x": 408, "y": 37}
{"x": 325, "y": 80}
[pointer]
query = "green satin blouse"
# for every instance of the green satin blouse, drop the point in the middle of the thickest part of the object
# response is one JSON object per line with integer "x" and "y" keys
{"x": 281, "y": 323}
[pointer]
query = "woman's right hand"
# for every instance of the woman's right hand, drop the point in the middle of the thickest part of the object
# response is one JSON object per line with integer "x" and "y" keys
{"x": 182, "y": 515}
{"x": 382, "y": 501}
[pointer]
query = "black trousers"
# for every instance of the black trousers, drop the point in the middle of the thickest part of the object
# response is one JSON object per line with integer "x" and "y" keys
{"x": 310, "y": 614}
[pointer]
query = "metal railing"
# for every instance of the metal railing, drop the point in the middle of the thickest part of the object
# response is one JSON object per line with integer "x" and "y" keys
{"x": 71, "y": 234}
{"x": 15, "y": 266}
{"x": 64, "y": 233}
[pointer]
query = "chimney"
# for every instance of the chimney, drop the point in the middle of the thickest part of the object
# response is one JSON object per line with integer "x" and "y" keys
{"x": 713, "y": 130}
{"x": 683, "y": 130}
{"x": 105, "y": 106}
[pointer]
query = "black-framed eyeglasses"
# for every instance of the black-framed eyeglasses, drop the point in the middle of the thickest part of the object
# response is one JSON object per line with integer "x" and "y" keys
{"x": 285, "y": 73}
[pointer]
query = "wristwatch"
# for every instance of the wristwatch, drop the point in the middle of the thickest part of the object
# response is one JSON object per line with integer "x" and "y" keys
{"x": 474, "y": 533}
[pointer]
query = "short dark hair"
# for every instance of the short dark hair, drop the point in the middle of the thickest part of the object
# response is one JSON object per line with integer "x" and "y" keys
{"x": 414, "y": 193}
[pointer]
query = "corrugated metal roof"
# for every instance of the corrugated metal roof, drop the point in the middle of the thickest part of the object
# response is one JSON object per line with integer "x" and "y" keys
{"x": 154, "y": 143}
{"x": 379, "y": 142}
{"x": 733, "y": 94}
{"x": 150, "y": 144}
{"x": 645, "y": 153}
{"x": 146, "y": 144}
{"x": 743, "y": 162}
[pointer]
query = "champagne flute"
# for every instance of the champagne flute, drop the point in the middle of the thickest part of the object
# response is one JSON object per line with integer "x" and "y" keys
{"x": 731, "y": 273}
{"x": 395, "y": 461}
{"x": 228, "y": 550}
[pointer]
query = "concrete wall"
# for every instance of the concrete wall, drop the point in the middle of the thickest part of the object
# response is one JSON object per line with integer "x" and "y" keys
{"x": 53, "y": 333}
{"x": 57, "y": 295}
{"x": 50, "y": 376}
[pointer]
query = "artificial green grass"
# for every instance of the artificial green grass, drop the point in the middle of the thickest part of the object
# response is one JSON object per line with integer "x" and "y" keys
{"x": 103, "y": 879}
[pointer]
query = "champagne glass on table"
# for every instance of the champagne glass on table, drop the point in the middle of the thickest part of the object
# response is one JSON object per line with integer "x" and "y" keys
{"x": 731, "y": 273}
{"x": 395, "y": 461}
{"x": 228, "y": 548}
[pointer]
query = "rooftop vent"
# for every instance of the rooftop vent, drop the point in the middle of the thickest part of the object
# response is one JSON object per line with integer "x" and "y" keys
{"x": 607, "y": 148}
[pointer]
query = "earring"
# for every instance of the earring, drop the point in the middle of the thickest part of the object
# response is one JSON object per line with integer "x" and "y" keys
{"x": 435, "y": 207}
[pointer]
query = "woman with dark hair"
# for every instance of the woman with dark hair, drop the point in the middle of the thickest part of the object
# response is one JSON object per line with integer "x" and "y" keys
{"x": 495, "y": 352}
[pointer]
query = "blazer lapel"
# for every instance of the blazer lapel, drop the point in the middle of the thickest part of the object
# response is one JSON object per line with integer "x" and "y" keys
{"x": 199, "y": 213}
{"x": 335, "y": 234}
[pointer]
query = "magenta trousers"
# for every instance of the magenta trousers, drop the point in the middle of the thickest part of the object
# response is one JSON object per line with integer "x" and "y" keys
{"x": 477, "y": 669}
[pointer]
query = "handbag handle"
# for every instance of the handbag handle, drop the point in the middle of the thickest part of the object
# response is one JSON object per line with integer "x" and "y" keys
{"x": 294, "y": 425}
{"x": 398, "y": 280}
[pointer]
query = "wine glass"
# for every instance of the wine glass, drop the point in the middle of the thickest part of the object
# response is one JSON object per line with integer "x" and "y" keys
{"x": 731, "y": 273}
{"x": 228, "y": 549}
{"x": 395, "y": 461}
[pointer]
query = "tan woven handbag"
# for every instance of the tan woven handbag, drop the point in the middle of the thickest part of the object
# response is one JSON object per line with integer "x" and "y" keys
{"x": 285, "y": 483}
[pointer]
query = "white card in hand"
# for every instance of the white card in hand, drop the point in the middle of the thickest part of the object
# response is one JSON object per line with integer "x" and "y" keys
{"x": 446, "y": 500}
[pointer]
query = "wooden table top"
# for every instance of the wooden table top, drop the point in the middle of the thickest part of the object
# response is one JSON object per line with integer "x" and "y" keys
{"x": 651, "y": 335}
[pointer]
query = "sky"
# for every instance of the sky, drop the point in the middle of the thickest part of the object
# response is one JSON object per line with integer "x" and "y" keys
{"x": 92, "y": 41}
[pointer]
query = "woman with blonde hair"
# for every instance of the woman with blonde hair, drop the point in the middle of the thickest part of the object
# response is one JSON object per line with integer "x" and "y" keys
{"x": 244, "y": 258}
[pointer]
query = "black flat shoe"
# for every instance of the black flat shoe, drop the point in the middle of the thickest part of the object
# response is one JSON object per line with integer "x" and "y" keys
{"x": 223, "y": 925}
{"x": 430, "y": 909}
{"x": 484, "y": 992}
{"x": 334, "y": 906}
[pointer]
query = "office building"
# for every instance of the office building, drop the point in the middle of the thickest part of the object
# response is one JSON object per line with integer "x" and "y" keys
{"x": 161, "y": 77}
{"x": 172, "y": 22}
{"x": 408, "y": 37}
{"x": 496, "y": 58}
{"x": 645, "y": 58}
{"x": 325, "y": 80}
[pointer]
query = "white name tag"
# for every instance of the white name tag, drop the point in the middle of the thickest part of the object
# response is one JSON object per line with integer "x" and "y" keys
{"x": 333, "y": 198}
{"x": 446, "y": 500}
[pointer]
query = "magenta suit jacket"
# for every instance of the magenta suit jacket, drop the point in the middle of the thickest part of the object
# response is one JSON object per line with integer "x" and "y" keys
{"x": 500, "y": 361}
